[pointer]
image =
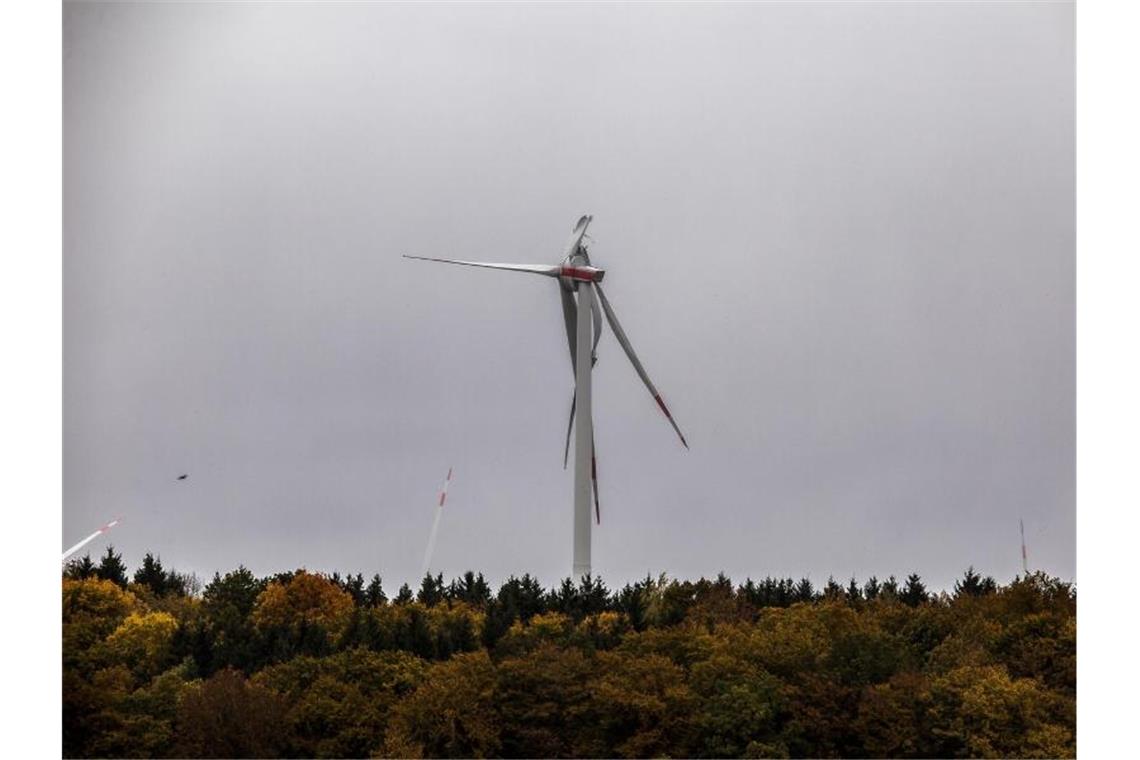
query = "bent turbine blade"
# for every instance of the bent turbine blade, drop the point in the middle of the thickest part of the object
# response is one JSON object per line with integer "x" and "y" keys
{"x": 576, "y": 236}
{"x": 549, "y": 271}
{"x": 625, "y": 344}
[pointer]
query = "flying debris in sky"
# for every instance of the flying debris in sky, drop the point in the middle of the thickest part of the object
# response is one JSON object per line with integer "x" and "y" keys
{"x": 435, "y": 523}
{"x": 90, "y": 538}
{"x": 183, "y": 476}
{"x": 576, "y": 275}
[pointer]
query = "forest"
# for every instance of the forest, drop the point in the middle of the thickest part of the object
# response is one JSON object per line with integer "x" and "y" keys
{"x": 305, "y": 664}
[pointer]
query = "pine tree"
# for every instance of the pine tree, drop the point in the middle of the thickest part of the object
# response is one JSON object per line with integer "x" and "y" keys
{"x": 632, "y": 601}
{"x": 182, "y": 584}
{"x": 871, "y": 588}
{"x": 404, "y": 595}
{"x": 111, "y": 568}
{"x": 480, "y": 591}
{"x": 854, "y": 595}
{"x": 804, "y": 592}
{"x": 354, "y": 585}
{"x": 914, "y": 593}
{"x": 374, "y": 594}
{"x": 431, "y": 590}
{"x": 152, "y": 575}
{"x": 973, "y": 584}
{"x": 832, "y": 590}
{"x": 594, "y": 597}
{"x": 78, "y": 569}
{"x": 890, "y": 588}
{"x": 564, "y": 599}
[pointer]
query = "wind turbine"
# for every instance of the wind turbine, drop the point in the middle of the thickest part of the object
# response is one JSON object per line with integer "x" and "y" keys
{"x": 577, "y": 276}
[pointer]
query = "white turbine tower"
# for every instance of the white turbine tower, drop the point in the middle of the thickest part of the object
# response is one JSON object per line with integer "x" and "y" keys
{"x": 583, "y": 318}
{"x": 90, "y": 538}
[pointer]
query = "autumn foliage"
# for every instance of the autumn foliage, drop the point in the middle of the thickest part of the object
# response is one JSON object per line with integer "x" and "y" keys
{"x": 307, "y": 665}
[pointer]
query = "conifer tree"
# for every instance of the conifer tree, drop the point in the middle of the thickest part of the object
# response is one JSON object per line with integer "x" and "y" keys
{"x": 914, "y": 593}
{"x": 152, "y": 575}
{"x": 111, "y": 568}
{"x": 871, "y": 588}
{"x": 83, "y": 567}
{"x": 354, "y": 585}
{"x": 890, "y": 588}
{"x": 431, "y": 590}
{"x": 973, "y": 584}
{"x": 832, "y": 590}
{"x": 374, "y": 594}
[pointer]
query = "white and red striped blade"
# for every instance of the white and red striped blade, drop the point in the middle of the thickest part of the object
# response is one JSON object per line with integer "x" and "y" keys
{"x": 443, "y": 490}
{"x": 91, "y": 538}
{"x": 625, "y": 344}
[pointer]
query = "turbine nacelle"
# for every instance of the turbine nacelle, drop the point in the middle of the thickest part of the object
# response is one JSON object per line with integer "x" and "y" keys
{"x": 582, "y": 273}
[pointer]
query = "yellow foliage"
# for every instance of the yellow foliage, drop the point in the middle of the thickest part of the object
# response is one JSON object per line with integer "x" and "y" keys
{"x": 451, "y": 714}
{"x": 95, "y": 598}
{"x": 92, "y": 609}
{"x": 142, "y": 643}
{"x": 798, "y": 638}
{"x": 991, "y": 714}
{"x": 308, "y": 599}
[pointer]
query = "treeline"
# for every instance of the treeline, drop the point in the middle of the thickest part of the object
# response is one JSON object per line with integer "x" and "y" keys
{"x": 302, "y": 664}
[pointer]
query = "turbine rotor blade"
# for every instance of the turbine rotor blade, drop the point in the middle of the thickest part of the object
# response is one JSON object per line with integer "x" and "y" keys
{"x": 435, "y": 522}
{"x": 594, "y": 478}
{"x": 597, "y": 320}
{"x": 548, "y": 271}
{"x": 90, "y": 538}
{"x": 625, "y": 344}
{"x": 576, "y": 236}
{"x": 570, "y": 314}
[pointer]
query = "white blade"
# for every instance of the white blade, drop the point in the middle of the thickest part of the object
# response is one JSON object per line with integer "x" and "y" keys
{"x": 435, "y": 524}
{"x": 624, "y": 341}
{"x": 570, "y": 314}
{"x": 431, "y": 543}
{"x": 597, "y": 312}
{"x": 576, "y": 236}
{"x": 531, "y": 268}
{"x": 90, "y": 538}
{"x": 570, "y": 310}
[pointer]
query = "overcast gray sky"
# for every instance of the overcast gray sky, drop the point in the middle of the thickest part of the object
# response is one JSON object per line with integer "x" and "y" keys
{"x": 840, "y": 236}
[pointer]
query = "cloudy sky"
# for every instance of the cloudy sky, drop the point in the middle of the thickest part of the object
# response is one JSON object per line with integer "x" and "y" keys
{"x": 840, "y": 237}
